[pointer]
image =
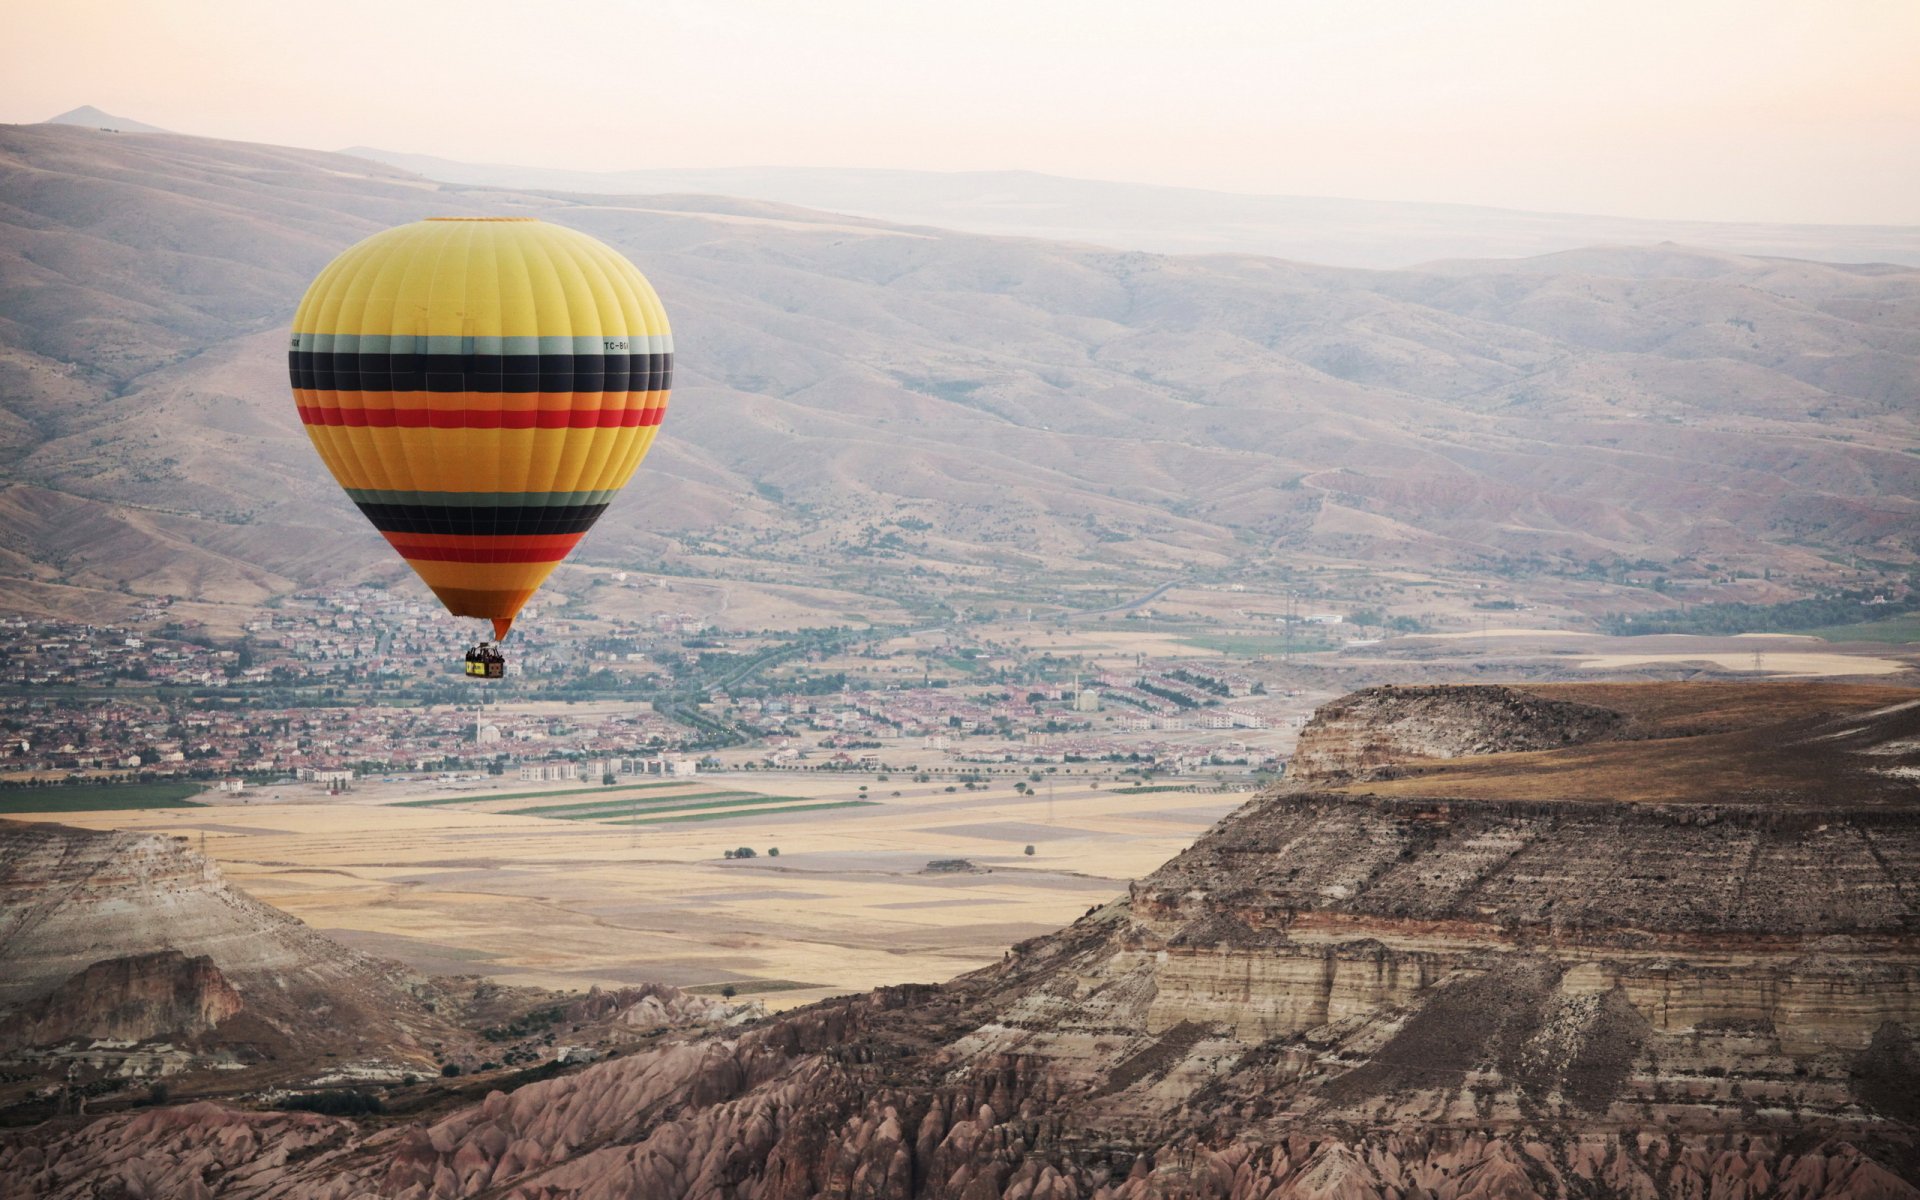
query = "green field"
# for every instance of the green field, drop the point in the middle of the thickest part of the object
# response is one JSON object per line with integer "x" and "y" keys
{"x": 574, "y": 810}
{"x": 99, "y": 797}
{"x": 729, "y": 814}
{"x": 665, "y": 804}
{"x": 1253, "y": 645}
{"x": 1893, "y": 631}
{"x": 1155, "y": 787}
{"x": 489, "y": 797}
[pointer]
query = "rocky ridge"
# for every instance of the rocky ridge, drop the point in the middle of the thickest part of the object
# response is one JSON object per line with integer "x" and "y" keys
{"x": 129, "y": 999}
{"x": 85, "y": 910}
{"x": 1342, "y": 991}
{"x": 1371, "y": 733}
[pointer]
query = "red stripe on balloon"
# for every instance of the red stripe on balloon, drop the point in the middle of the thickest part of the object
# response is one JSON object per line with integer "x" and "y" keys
{"x": 478, "y": 554}
{"x": 408, "y": 542}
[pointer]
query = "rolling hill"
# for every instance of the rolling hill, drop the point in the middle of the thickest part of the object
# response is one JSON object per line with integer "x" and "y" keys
{"x": 889, "y": 407}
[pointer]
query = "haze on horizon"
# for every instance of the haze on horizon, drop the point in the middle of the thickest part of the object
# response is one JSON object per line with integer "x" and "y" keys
{"x": 1722, "y": 110}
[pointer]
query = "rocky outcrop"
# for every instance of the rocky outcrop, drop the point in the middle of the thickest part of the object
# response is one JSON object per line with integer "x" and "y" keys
{"x": 83, "y": 918}
{"x": 654, "y": 1006}
{"x": 71, "y": 897}
{"x": 130, "y": 999}
{"x": 1369, "y": 732}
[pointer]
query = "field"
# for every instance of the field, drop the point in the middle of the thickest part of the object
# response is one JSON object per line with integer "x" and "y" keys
{"x": 1253, "y": 646}
{"x": 608, "y": 790}
{"x": 469, "y": 886}
{"x": 99, "y": 797}
{"x": 1896, "y": 631}
{"x": 1774, "y": 663}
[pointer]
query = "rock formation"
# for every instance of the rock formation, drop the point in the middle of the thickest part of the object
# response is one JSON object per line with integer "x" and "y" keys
{"x": 133, "y": 998}
{"x": 112, "y": 941}
{"x": 1668, "y": 967}
{"x": 1372, "y": 731}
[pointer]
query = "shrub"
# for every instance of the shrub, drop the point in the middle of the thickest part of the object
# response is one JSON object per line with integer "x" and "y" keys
{"x": 450, "y": 1071}
{"x": 1029, "y": 851}
{"x": 773, "y": 852}
{"x": 346, "y": 1103}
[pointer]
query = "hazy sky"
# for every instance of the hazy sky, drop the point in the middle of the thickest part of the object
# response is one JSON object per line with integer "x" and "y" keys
{"x": 1713, "y": 109}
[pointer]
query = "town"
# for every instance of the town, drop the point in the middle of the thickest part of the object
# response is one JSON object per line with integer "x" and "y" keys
{"x": 334, "y": 686}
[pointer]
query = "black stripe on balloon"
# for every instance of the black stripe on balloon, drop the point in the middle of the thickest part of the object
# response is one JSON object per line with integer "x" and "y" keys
{"x": 324, "y": 371}
{"x": 470, "y": 520}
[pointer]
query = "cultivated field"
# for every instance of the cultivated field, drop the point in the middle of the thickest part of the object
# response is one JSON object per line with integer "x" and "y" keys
{"x": 576, "y": 897}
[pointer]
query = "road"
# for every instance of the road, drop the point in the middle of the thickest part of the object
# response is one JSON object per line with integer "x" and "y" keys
{"x": 1129, "y": 605}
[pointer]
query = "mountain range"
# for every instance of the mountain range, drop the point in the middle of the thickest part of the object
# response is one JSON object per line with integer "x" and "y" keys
{"x": 878, "y": 403}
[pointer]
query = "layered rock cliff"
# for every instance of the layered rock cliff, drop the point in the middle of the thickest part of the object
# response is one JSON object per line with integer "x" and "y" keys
{"x": 131, "y": 938}
{"x": 130, "y": 999}
{"x": 1431, "y": 986}
{"x": 1379, "y": 729}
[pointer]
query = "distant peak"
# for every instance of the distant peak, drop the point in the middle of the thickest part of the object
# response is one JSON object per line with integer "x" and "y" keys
{"x": 92, "y": 118}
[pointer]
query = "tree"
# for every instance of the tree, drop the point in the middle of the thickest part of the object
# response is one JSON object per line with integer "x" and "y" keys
{"x": 746, "y": 852}
{"x": 729, "y": 991}
{"x": 773, "y": 852}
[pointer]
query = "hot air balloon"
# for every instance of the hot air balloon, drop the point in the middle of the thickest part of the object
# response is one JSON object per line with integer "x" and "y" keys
{"x": 482, "y": 387}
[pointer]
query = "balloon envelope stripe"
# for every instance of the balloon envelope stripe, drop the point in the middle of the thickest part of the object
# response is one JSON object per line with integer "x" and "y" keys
{"x": 471, "y": 520}
{"x": 482, "y": 419}
{"x": 414, "y": 552}
{"x": 326, "y": 372}
{"x": 482, "y": 499}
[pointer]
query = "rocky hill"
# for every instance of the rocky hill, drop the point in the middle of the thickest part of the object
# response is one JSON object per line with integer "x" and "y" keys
{"x": 127, "y": 959}
{"x": 1375, "y": 731}
{"x": 1603, "y": 990}
{"x": 128, "y": 999}
{"x": 880, "y": 398}
{"x": 133, "y": 947}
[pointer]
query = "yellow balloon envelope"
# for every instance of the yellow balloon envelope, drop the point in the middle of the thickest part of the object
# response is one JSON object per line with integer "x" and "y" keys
{"x": 481, "y": 387}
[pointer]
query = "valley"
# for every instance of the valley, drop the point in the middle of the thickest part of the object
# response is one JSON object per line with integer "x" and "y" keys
{"x": 1115, "y": 717}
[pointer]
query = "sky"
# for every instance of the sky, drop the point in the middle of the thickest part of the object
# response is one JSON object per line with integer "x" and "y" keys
{"x": 1733, "y": 110}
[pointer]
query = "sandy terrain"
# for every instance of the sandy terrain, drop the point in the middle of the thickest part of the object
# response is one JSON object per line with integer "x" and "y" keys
{"x": 1785, "y": 664}
{"x": 846, "y": 906}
